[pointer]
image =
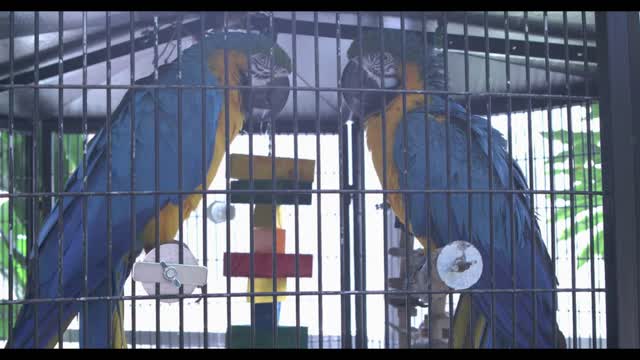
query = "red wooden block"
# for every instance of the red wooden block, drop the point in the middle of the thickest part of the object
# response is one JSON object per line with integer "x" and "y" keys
{"x": 263, "y": 265}
{"x": 263, "y": 240}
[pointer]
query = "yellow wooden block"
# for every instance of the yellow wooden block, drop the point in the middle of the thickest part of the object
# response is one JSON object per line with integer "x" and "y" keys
{"x": 266, "y": 285}
{"x": 285, "y": 168}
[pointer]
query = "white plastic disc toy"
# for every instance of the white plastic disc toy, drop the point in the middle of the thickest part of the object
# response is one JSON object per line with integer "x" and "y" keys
{"x": 459, "y": 265}
{"x": 169, "y": 273}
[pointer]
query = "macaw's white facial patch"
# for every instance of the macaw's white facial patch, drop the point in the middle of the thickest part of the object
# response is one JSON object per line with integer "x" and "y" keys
{"x": 264, "y": 70}
{"x": 381, "y": 68}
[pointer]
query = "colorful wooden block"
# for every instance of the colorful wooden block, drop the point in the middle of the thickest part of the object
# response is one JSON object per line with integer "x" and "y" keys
{"x": 263, "y": 216}
{"x": 264, "y": 315}
{"x": 262, "y": 165}
{"x": 287, "y": 178}
{"x": 240, "y": 337}
{"x": 266, "y": 198}
{"x": 263, "y": 265}
{"x": 263, "y": 240}
{"x": 263, "y": 285}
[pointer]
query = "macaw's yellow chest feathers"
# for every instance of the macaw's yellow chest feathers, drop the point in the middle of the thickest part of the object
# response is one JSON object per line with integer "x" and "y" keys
{"x": 236, "y": 62}
{"x": 169, "y": 215}
{"x": 376, "y": 123}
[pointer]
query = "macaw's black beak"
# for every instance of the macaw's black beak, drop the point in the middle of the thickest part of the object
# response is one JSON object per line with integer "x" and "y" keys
{"x": 262, "y": 102}
{"x": 361, "y": 103}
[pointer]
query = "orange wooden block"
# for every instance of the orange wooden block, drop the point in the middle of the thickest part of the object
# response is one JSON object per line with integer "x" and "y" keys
{"x": 263, "y": 240}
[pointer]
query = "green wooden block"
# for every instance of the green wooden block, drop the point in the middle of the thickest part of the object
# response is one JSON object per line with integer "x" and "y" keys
{"x": 286, "y": 338}
{"x": 265, "y": 198}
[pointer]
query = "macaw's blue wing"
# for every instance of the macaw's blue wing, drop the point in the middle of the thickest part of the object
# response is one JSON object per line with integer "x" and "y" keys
{"x": 499, "y": 224}
{"x": 60, "y": 269}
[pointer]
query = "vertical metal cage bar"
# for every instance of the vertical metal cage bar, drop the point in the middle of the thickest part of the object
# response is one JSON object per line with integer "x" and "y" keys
{"x": 225, "y": 54}
{"x": 385, "y": 167}
{"x": 491, "y": 321}
{"x": 572, "y": 197}
{"x": 132, "y": 164}
{"x": 204, "y": 167}
{"x": 85, "y": 205}
{"x": 445, "y": 51}
{"x": 507, "y": 49}
{"x": 594, "y": 342}
{"x": 468, "y": 135}
{"x": 109, "y": 180}
{"x": 531, "y": 167}
{"x": 356, "y": 203}
{"x": 37, "y": 202}
{"x": 319, "y": 174}
{"x": 551, "y": 156}
{"x": 274, "y": 209}
{"x": 429, "y": 251}
{"x": 345, "y": 253}
{"x": 11, "y": 167}
{"x": 618, "y": 39}
{"x": 252, "y": 301}
{"x": 296, "y": 172}
{"x": 408, "y": 238}
{"x": 156, "y": 157}
{"x": 359, "y": 214}
{"x": 180, "y": 178}
{"x": 60, "y": 174}
{"x": 85, "y": 230}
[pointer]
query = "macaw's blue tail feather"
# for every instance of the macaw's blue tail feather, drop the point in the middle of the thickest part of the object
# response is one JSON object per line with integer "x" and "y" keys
{"x": 471, "y": 329}
{"x": 64, "y": 277}
{"x": 52, "y": 317}
{"x": 101, "y": 326}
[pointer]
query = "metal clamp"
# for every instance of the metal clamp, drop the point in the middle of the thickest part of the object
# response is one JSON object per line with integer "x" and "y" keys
{"x": 170, "y": 274}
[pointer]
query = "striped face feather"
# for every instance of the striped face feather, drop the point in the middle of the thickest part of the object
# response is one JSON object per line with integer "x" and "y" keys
{"x": 263, "y": 70}
{"x": 381, "y": 67}
{"x": 268, "y": 89}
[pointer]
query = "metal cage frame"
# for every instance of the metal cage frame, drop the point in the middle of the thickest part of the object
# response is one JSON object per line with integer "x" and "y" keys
{"x": 613, "y": 42}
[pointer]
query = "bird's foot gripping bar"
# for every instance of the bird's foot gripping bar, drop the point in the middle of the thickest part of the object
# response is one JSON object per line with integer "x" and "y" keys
{"x": 457, "y": 266}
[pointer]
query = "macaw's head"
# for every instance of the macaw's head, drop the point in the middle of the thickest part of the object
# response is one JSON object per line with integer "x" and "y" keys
{"x": 255, "y": 62}
{"x": 375, "y": 63}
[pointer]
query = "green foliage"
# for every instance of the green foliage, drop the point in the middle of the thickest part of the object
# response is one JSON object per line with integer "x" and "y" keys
{"x": 71, "y": 158}
{"x": 72, "y": 145}
{"x": 16, "y": 228}
{"x": 580, "y": 168}
{"x": 19, "y": 213}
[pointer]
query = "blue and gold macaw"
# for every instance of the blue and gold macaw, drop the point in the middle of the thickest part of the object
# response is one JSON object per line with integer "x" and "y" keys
{"x": 249, "y": 59}
{"x": 477, "y": 323}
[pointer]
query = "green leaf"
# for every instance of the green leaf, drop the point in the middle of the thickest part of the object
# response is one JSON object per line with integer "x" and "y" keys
{"x": 580, "y": 226}
{"x": 20, "y": 251}
{"x": 585, "y": 254}
{"x": 595, "y": 111}
{"x": 581, "y": 153}
{"x": 4, "y": 320}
